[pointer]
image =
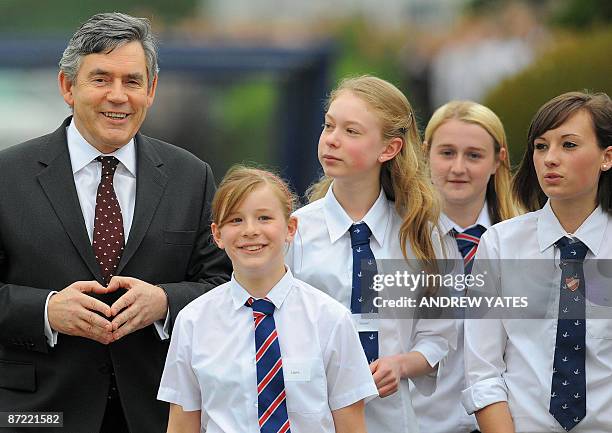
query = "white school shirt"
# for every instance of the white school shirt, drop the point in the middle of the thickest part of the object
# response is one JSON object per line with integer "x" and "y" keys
{"x": 446, "y": 399}
{"x": 321, "y": 255}
{"x": 87, "y": 173}
{"x": 211, "y": 360}
{"x": 512, "y": 359}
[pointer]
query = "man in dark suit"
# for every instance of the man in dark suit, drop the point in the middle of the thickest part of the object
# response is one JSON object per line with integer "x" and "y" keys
{"x": 104, "y": 237}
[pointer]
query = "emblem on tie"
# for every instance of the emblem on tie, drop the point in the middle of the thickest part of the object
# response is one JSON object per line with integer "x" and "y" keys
{"x": 572, "y": 283}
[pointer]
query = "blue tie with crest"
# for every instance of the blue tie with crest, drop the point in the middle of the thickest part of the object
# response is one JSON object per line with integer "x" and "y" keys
{"x": 364, "y": 269}
{"x": 568, "y": 388}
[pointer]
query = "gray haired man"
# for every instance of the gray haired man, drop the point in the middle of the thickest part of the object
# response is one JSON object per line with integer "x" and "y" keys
{"x": 104, "y": 237}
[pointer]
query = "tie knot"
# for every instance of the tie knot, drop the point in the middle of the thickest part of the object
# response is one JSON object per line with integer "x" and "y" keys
{"x": 360, "y": 234}
{"x": 109, "y": 164}
{"x": 471, "y": 235}
{"x": 264, "y": 306}
{"x": 571, "y": 249}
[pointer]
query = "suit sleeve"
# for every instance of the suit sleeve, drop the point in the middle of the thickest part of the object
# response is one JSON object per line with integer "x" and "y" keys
{"x": 208, "y": 265}
{"x": 21, "y": 313}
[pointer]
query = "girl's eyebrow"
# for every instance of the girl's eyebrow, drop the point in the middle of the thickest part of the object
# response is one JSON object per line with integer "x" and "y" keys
{"x": 348, "y": 122}
{"x": 469, "y": 147}
{"x": 541, "y": 137}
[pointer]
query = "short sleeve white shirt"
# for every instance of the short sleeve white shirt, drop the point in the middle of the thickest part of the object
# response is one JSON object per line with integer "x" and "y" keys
{"x": 211, "y": 360}
{"x": 321, "y": 255}
{"x": 511, "y": 359}
{"x": 446, "y": 398}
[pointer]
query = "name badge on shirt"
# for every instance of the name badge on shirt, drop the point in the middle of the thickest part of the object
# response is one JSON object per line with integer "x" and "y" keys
{"x": 296, "y": 370}
{"x": 366, "y": 322}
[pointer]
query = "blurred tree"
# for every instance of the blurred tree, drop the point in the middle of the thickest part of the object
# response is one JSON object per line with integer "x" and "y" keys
{"x": 581, "y": 14}
{"x": 484, "y": 6}
{"x": 581, "y": 62}
{"x": 35, "y": 16}
{"x": 246, "y": 114}
{"x": 367, "y": 50}
{"x": 478, "y": 6}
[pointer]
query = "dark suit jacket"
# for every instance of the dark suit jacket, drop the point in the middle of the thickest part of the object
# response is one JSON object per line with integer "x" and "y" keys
{"x": 44, "y": 246}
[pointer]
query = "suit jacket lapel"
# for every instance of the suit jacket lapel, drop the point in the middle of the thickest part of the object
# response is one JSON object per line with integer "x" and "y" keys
{"x": 57, "y": 182}
{"x": 150, "y": 184}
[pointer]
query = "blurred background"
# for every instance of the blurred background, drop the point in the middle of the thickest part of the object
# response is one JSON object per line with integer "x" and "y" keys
{"x": 246, "y": 80}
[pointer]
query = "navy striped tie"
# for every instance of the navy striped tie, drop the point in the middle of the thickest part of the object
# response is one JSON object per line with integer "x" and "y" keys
{"x": 568, "y": 387}
{"x": 467, "y": 242}
{"x": 271, "y": 398}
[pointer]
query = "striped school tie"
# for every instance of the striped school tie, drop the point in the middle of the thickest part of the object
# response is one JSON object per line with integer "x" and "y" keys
{"x": 364, "y": 269}
{"x": 467, "y": 242}
{"x": 271, "y": 398}
{"x": 568, "y": 386}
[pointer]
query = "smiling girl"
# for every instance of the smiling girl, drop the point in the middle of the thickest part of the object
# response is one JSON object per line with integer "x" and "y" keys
{"x": 264, "y": 352}
{"x": 468, "y": 159}
{"x": 552, "y": 374}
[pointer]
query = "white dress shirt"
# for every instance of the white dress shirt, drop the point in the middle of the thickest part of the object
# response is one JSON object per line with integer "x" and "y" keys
{"x": 211, "y": 360}
{"x": 512, "y": 359}
{"x": 87, "y": 173}
{"x": 321, "y": 255}
{"x": 446, "y": 399}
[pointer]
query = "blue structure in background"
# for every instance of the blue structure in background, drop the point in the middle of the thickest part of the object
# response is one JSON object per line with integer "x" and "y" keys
{"x": 302, "y": 74}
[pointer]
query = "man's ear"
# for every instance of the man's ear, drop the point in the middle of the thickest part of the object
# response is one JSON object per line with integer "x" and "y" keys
{"x": 607, "y": 159}
{"x": 65, "y": 87}
{"x": 151, "y": 92}
{"x": 216, "y": 232}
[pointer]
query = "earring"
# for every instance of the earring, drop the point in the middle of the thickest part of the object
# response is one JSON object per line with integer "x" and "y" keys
{"x": 605, "y": 166}
{"x": 380, "y": 158}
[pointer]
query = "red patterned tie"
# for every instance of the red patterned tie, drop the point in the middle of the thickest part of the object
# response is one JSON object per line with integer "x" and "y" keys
{"x": 108, "y": 226}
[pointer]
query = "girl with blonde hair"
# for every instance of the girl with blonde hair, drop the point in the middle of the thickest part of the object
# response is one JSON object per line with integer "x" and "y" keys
{"x": 468, "y": 158}
{"x": 263, "y": 352}
{"x": 374, "y": 202}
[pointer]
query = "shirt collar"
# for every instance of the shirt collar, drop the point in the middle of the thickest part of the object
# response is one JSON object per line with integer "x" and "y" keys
{"x": 589, "y": 232}
{"x": 82, "y": 153}
{"x": 277, "y": 295}
{"x": 483, "y": 219}
{"x": 338, "y": 222}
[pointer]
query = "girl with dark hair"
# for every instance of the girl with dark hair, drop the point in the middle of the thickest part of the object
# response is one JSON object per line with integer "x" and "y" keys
{"x": 551, "y": 374}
